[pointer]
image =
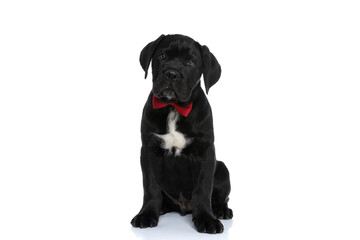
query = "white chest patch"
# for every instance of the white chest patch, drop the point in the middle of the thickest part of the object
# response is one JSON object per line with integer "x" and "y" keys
{"x": 173, "y": 139}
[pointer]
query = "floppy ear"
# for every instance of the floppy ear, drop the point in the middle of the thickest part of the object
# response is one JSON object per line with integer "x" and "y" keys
{"x": 147, "y": 52}
{"x": 211, "y": 68}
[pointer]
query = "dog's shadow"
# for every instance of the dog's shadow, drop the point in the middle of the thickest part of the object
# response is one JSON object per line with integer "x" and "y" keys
{"x": 173, "y": 226}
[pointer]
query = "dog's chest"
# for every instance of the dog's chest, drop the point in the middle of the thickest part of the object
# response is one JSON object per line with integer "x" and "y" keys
{"x": 173, "y": 141}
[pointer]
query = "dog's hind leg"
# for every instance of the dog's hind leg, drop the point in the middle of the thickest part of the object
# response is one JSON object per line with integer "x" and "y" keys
{"x": 221, "y": 191}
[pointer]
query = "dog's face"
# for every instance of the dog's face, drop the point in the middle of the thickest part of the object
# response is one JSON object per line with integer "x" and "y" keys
{"x": 177, "y": 63}
{"x": 177, "y": 68}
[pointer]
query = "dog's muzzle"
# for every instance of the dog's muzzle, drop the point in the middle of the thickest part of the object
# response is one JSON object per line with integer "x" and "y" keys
{"x": 170, "y": 77}
{"x": 168, "y": 93}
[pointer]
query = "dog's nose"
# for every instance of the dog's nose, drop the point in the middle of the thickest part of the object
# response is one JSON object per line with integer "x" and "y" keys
{"x": 172, "y": 75}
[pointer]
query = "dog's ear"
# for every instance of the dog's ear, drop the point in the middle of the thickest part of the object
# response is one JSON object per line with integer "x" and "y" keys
{"x": 211, "y": 68}
{"x": 147, "y": 53}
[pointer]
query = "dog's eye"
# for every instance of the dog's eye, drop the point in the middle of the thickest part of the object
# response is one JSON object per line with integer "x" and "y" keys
{"x": 162, "y": 56}
{"x": 190, "y": 63}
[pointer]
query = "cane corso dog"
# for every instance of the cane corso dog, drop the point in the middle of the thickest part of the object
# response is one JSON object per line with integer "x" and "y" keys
{"x": 179, "y": 167}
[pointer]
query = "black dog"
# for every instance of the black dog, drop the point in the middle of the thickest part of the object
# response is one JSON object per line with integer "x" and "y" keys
{"x": 180, "y": 171}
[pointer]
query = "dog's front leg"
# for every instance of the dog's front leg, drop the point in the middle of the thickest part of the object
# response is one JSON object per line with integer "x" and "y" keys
{"x": 150, "y": 211}
{"x": 203, "y": 217}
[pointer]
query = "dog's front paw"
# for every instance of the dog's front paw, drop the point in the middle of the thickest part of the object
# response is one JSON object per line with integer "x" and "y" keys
{"x": 208, "y": 225}
{"x": 145, "y": 220}
{"x": 223, "y": 212}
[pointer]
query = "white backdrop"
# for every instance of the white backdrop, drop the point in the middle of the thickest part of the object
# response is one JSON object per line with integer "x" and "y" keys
{"x": 286, "y": 116}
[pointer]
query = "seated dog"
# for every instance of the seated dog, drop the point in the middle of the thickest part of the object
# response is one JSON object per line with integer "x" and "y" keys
{"x": 180, "y": 170}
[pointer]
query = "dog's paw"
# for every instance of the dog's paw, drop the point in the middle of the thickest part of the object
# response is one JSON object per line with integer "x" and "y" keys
{"x": 222, "y": 212}
{"x": 144, "y": 221}
{"x": 208, "y": 225}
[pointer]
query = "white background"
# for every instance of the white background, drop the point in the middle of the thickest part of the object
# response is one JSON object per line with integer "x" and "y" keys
{"x": 286, "y": 116}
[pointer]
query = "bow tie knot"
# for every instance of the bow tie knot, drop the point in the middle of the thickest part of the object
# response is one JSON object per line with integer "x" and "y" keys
{"x": 182, "y": 110}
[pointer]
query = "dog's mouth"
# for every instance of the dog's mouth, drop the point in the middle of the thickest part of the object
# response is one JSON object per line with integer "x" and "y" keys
{"x": 167, "y": 95}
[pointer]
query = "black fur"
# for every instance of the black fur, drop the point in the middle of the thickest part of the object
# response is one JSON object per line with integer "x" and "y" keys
{"x": 194, "y": 182}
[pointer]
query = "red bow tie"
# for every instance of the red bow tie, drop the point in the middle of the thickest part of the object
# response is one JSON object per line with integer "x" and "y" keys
{"x": 182, "y": 110}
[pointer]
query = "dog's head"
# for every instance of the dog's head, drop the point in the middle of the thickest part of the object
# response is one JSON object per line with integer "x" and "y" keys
{"x": 177, "y": 64}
